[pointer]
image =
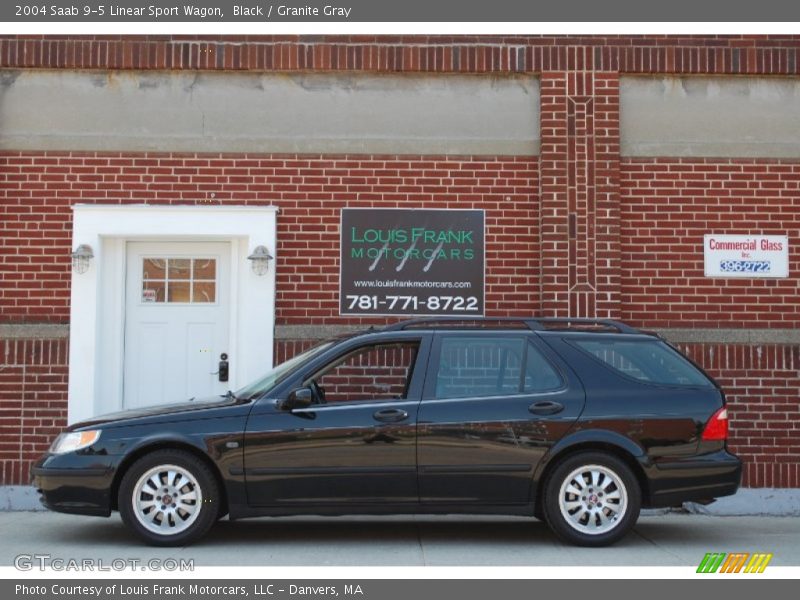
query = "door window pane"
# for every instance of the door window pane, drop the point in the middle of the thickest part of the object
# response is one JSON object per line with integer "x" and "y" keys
{"x": 178, "y": 291}
{"x": 205, "y": 268}
{"x": 179, "y": 268}
{"x": 203, "y": 291}
{"x": 540, "y": 376}
{"x": 480, "y": 366}
{"x": 154, "y": 291}
{"x": 155, "y": 268}
{"x": 375, "y": 372}
{"x": 179, "y": 280}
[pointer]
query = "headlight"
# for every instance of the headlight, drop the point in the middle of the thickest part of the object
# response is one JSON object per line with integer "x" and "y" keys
{"x": 74, "y": 440}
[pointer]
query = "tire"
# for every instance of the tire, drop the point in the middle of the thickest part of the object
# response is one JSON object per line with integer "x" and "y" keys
{"x": 606, "y": 507}
{"x": 192, "y": 495}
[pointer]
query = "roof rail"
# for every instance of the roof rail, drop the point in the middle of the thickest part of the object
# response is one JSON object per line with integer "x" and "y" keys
{"x": 550, "y": 323}
{"x": 532, "y": 323}
{"x": 432, "y": 321}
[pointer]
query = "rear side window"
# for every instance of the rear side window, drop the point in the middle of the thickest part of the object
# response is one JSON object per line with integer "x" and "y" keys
{"x": 648, "y": 361}
{"x": 492, "y": 366}
{"x": 540, "y": 376}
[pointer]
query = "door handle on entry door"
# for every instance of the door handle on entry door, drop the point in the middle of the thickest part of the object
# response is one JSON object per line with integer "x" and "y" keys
{"x": 390, "y": 415}
{"x": 547, "y": 407}
{"x": 222, "y": 372}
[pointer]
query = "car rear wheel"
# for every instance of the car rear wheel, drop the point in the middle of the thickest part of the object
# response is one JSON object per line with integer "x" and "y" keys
{"x": 592, "y": 499}
{"x": 169, "y": 498}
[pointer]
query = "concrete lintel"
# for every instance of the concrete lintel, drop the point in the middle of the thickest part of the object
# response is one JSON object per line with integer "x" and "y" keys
{"x": 676, "y": 335}
{"x": 710, "y": 149}
{"x": 732, "y": 336}
{"x": 320, "y": 145}
{"x": 317, "y": 332}
{"x": 38, "y": 331}
{"x": 700, "y": 116}
{"x": 311, "y": 113}
{"x": 314, "y": 332}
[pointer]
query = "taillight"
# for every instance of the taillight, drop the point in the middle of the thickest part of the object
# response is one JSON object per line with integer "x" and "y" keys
{"x": 717, "y": 426}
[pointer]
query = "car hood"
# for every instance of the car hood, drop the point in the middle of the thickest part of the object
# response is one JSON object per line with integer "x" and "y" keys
{"x": 191, "y": 407}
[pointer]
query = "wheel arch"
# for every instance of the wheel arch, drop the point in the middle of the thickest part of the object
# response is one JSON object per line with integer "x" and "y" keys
{"x": 167, "y": 444}
{"x": 616, "y": 445}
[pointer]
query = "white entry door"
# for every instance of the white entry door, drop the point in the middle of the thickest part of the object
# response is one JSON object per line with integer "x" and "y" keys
{"x": 177, "y": 321}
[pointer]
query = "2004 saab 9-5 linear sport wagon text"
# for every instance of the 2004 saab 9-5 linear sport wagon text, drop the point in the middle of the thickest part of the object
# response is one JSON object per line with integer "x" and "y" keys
{"x": 577, "y": 422}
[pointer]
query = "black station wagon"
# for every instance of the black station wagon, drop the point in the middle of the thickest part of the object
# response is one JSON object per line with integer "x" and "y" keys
{"x": 578, "y": 422}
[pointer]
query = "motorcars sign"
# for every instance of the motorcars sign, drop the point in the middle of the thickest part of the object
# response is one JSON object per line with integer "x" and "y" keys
{"x": 412, "y": 262}
{"x": 746, "y": 256}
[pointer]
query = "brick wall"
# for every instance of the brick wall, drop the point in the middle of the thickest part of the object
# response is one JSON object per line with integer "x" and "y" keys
{"x": 579, "y": 194}
{"x": 666, "y": 207}
{"x": 36, "y": 220}
{"x": 565, "y": 232}
{"x": 33, "y": 402}
{"x": 763, "y": 391}
{"x": 734, "y": 54}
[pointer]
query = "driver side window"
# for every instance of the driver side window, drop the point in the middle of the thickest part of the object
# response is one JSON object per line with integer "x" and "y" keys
{"x": 374, "y": 372}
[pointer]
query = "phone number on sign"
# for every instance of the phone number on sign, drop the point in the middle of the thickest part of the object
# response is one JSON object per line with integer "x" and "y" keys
{"x": 745, "y": 266}
{"x": 413, "y": 303}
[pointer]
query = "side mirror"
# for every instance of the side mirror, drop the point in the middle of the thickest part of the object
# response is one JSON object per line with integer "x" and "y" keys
{"x": 299, "y": 398}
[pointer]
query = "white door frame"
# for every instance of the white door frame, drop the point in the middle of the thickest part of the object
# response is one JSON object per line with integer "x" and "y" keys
{"x": 97, "y": 312}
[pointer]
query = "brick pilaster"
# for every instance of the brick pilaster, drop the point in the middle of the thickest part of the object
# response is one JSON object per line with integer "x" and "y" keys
{"x": 579, "y": 189}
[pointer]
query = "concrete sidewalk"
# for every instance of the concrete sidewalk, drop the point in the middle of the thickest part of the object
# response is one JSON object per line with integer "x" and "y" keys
{"x": 658, "y": 540}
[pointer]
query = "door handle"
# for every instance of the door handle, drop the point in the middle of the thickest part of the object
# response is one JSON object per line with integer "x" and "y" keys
{"x": 390, "y": 415}
{"x": 222, "y": 372}
{"x": 547, "y": 407}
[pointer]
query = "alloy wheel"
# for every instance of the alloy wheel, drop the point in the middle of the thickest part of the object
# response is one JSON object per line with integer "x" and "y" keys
{"x": 593, "y": 499}
{"x": 167, "y": 499}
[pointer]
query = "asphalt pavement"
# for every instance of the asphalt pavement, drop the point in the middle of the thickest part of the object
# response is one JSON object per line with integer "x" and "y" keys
{"x": 670, "y": 539}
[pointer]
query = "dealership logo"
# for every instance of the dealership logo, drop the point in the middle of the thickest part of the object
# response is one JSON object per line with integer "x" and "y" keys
{"x": 412, "y": 262}
{"x": 735, "y": 562}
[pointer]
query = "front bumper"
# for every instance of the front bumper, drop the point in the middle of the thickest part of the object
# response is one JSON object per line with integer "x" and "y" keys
{"x": 700, "y": 478}
{"x": 73, "y": 483}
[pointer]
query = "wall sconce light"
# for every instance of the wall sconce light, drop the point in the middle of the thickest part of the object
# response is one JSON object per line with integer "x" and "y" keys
{"x": 260, "y": 260}
{"x": 81, "y": 258}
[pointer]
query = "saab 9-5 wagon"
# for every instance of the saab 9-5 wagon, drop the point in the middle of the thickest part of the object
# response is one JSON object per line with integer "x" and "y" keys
{"x": 577, "y": 422}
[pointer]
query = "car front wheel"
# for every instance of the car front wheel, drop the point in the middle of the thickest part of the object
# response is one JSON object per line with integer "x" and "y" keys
{"x": 592, "y": 499}
{"x": 169, "y": 498}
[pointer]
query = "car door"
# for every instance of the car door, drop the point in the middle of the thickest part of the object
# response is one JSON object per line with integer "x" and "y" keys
{"x": 493, "y": 403}
{"x": 357, "y": 444}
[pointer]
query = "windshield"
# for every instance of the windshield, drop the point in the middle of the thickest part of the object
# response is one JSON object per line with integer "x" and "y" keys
{"x": 278, "y": 373}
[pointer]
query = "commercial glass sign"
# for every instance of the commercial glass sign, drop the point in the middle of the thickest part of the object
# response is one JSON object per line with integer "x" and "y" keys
{"x": 746, "y": 255}
{"x": 412, "y": 262}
